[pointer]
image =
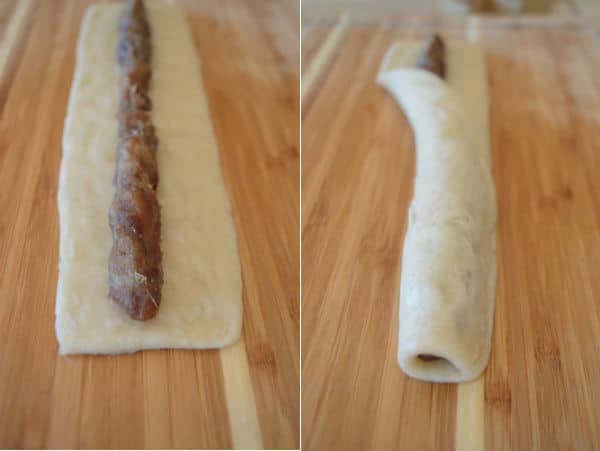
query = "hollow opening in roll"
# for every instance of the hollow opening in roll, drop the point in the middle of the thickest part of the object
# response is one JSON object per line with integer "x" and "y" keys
{"x": 428, "y": 357}
{"x": 436, "y": 363}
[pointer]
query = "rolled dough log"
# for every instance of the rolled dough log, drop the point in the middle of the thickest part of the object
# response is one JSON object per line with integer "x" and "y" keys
{"x": 448, "y": 280}
{"x": 202, "y": 292}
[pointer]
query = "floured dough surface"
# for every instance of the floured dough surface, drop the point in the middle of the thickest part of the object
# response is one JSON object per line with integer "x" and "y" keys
{"x": 448, "y": 280}
{"x": 202, "y": 293}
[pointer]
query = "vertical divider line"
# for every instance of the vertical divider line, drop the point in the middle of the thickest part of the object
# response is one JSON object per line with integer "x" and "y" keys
{"x": 300, "y": 226}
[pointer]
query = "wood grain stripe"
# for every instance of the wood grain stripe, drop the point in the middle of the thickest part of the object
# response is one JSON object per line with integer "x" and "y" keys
{"x": 7, "y": 7}
{"x": 243, "y": 419}
{"x": 324, "y": 55}
{"x": 311, "y": 44}
{"x": 469, "y": 416}
{"x": 473, "y": 28}
{"x": 13, "y": 31}
{"x": 470, "y": 395}
{"x": 11, "y": 44}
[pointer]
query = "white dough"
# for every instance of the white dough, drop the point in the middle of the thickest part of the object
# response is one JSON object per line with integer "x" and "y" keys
{"x": 202, "y": 293}
{"x": 448, "y": 280}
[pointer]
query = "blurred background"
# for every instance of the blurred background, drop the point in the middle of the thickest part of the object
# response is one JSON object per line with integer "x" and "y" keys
{"x": 368, "y": 9}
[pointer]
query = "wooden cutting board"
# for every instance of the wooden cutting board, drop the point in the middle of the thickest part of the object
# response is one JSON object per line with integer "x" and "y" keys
{"x": 245, "y": 396}
{"x": 540, "y": 389}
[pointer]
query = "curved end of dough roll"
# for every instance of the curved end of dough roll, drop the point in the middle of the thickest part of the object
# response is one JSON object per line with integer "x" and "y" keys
{"x": 437, "y": 363}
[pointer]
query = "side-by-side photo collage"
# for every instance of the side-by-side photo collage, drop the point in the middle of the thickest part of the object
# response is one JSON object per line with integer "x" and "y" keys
{"x": 317, "y": 225}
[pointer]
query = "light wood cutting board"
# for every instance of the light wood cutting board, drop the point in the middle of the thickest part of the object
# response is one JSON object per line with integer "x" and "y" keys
{"x": 246, "y": 396}
{"x": 540, "y": 389}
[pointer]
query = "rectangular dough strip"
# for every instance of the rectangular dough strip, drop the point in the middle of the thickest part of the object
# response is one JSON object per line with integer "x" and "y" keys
{"x": 202, "y": 292}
